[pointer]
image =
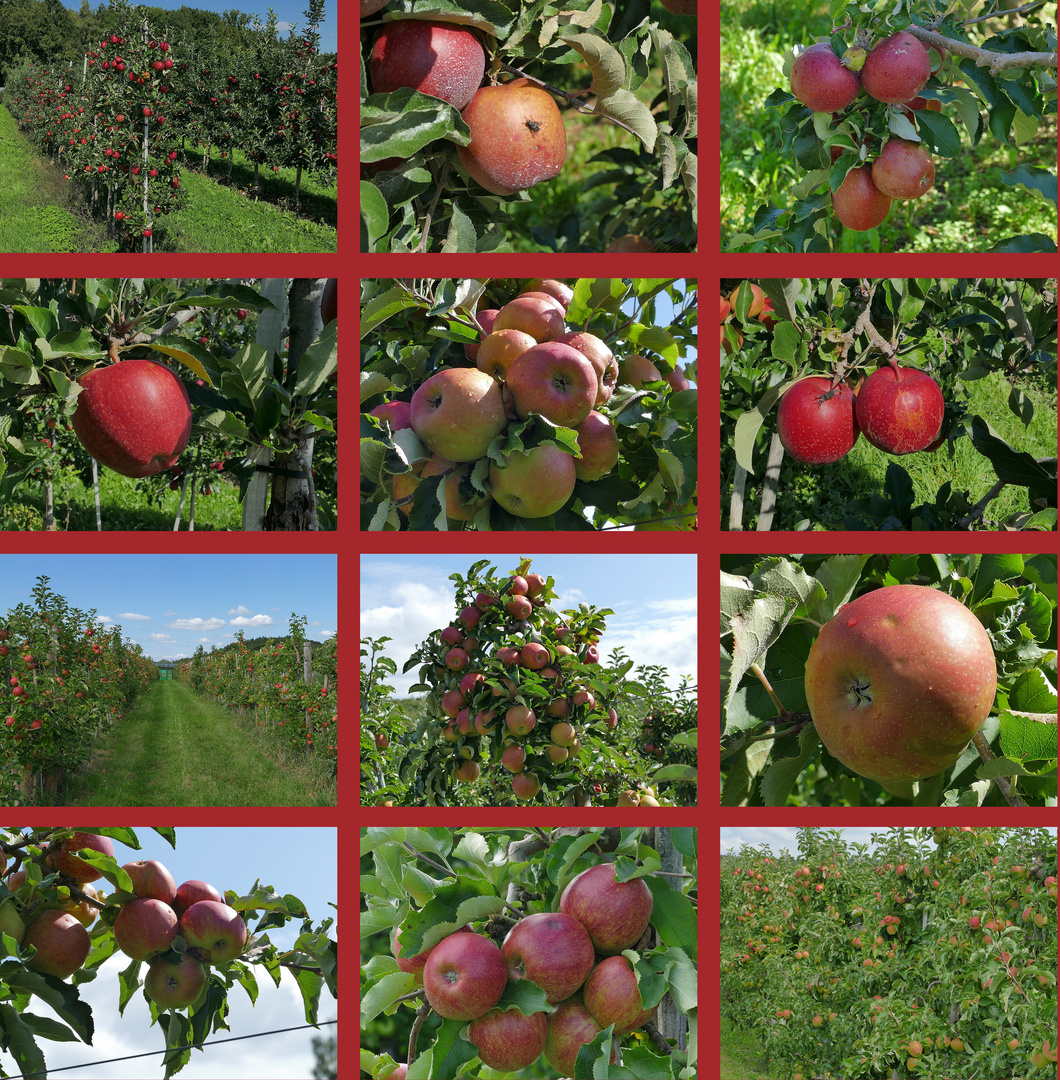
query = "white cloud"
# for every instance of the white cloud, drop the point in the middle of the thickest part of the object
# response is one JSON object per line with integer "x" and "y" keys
{"x": 239, "y": 610}
{"x": 197, "y": 625}
{"x": 254, "y": 620}
{"x": 134, "y": 617}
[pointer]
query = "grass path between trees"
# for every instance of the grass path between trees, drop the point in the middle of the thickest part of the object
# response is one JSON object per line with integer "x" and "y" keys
{"x": 178, "y": 749}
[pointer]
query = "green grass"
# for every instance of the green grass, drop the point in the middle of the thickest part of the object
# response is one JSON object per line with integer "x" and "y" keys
{"x": 178, "y": 749}
{"x": 125, "y": 504}
{"x": 42, "y": 212}
{"x": 969, "y": 209}
{"x": 741, "y": 1054}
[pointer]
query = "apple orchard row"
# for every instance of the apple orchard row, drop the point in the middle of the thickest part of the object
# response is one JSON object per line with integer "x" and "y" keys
{"x": 276, "y": 688}
{"x": 118, "y": 122}
{"x": 938, "y": 961}
{"x": 66, "y": 682}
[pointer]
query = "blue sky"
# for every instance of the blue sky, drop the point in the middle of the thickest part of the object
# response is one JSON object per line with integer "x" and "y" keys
{"x": 288, "y": 12}
{"x": 301, "y": 862}
{"x": 780, "y": 839}
{"x": 168, "y": 604}
{"x": 406, "y": 597}
{"x": 664, "y": 314}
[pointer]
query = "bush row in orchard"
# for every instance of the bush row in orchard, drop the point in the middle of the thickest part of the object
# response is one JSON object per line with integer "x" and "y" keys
{"x": 118, "y": 125}
{"x": 932, "y": 960}
{"x": 57, "y": 930}
{"x": 65, "y": 681}
{"x": 269, "y": 686}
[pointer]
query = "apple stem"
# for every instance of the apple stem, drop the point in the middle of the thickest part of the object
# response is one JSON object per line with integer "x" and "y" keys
{"x": 421, "y": 1015}
{"x": 980, "y": 743}
{"x": 761, "y": 676}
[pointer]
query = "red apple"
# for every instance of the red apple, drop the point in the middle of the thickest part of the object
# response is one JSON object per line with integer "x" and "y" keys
{"x": 858, "y": 203}
{"x": 598, "y": 443}
{"x": 555, "y": 381}
{"x": 507, "y": 1039}
{"x": 464, "y": 977}
{"x": 898, "y": 682}
{"x": 538, "y": 317}
{"x": 151, "y": 880}
{"x": 468, "y": 771}
{"x": 66, "y": 863}
{"x": 903, "y": 170}
{"x": 145, "y": 928}
{"x": 216, "y": 930}
{"x": 896, "y": 69}
{"x": 535, "y": 483}
{"x": 517, "y": 137}
{"x": 133, "y": 417}
{"x": 569, "y": 1028}
{"x": 552, "y": 950}
{"x": 500, "y": 350}
{"x": 173, "y": 985}
{"x": 484, "y": 318}
{"x": 520, "y": 719}
{"x": 614, "y": 913}
{"x": 519, "y": 607}
{"x": 821, "y": 82}
{"x": 191, "y": 892}
{"x": 559, "y": 289}
{"x": 534, "y": 655}
{"x": 815, "y": 421}
{"x": 612, "y": 996}
{"x": 513, "y": 758}
{"x": 62, "y": 943}
{"x": 397, "y": 413}
{"x": 900, "y": 414}
{"x": 525, "y": 785}
{"x": 457, "y": 412}
{"x": 638, "y": 370}
{"x": 436, "y": 58}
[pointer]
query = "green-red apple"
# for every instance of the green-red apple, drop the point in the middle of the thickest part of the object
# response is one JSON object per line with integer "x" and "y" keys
{"x": 612, "y": 996}
{"x": 552, "y": 950}
{"x": 464, "y": 977}
{"x": 191, "y": 892}
{"x": 555, "y": 381}
{"x": 67, "y": 863}
{"x": 616, "y": 914}
{"x": 216, "y": 930}
{"x": 173, "y": 985}
{"x": 151, "y": 880}
{"x": 898, "y": 682}
{"x": 598, "y": 443}
{"x": 457, "y": 413}
{"x": 569, "y": 1028}
{"x": 62, "y": 943}
{"x": 534, "y": 484}
{"x": 145, "y": 928}
{"x": 507, "y": 1039}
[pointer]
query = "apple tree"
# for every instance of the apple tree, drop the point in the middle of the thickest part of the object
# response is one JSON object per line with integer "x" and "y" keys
{"x": 869, "y": 108}
{"x": 578, "y": 945}
{"x": 795, "y": 667}
{"x": 933, "y": 953}
{"x": 443, "y": 159}
{"x": 572, "y": 411}
{"x": 904, "y": 368}
{"x": 271, "y": 402}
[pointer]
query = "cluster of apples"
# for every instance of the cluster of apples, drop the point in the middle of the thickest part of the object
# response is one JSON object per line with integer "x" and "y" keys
{"x": 894, "y": 72}
{"x": 517, "y": 133}
{"x": 574, "y": 955}
{"x": 474, "y": 708}
{"x": 146, "y": 928}
{"x": 898, "y": 409}
{"x": 526, "y": 363}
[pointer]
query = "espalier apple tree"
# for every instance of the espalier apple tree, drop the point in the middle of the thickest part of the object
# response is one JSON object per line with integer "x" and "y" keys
{"x": 187, "y": 944}
{"x": 538, "y": 402}
{"x": 462, "y": 127}
{"x": 868, "y": 110}
{"x": 867, "y": 679}
{"x": 534, "y": 944}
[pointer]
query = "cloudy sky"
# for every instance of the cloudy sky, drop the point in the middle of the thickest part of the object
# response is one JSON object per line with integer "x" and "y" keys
{"x": 170, "y": 604}
{"x": 301, "y": 862}
{"x": 406, "y": 597}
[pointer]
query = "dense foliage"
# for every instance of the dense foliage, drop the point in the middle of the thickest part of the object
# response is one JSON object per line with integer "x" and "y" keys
{"x": 66, "y": 681}
{"x": 932, "y": 954}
